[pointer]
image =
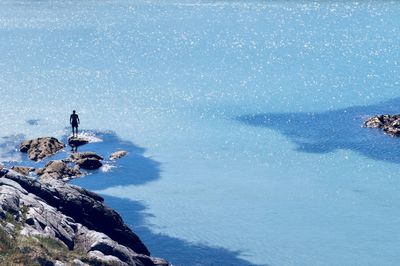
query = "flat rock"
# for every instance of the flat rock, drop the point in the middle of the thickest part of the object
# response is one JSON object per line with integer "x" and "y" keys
{"x": 58, "y": 169}
{"x": 24, "y": 170}
{"x": 118, "y": 154}
{"x": 77, "y": 141}
{"x": 390, "y": 124}
{"x": 41, "y": 148}
{"x": 87, "y": 160}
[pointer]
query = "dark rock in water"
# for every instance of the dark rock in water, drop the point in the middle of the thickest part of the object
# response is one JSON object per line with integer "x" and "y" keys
{"x": 41, "y": 148}
{"x": 74, "y": 216}
{"x": 77, "y": 141}
{"x": 87, "y": 160}
{"x": 24, "y": 170}
{"x": 58, "y": 170}
{"x": 118, "y": 155}
{"x": 390, "y": 124}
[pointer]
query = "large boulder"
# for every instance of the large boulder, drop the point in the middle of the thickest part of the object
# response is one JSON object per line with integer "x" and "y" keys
{"x": 87, "y": 160}
{"x": 41, "y": 148}
{"x": 58, "y": 169}
{"x": 72, "y": 215}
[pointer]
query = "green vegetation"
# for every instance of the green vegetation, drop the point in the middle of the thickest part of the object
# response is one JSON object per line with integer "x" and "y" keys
{"x": 18, "y": 250}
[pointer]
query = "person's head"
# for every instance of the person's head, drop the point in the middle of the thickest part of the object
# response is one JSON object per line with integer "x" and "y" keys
{"x": 73, "y": 112}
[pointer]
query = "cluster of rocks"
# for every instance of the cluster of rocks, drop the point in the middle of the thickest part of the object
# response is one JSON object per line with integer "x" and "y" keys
{"x": 390, "y": 124}
{"x": 77, "y": 218}
{"x": 40, "y": 148}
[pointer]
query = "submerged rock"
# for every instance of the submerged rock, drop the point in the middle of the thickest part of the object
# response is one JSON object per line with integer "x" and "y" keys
{"x": 87, "y": 160}
{"x": 41, "y": 148}
{"x": 118, "y": 154}
{"x": 24, "y": 170}
{"x": 75, "y": 217}
{"x": 390, "y": 124}
{"x": 58, "y": 169}
{"x": 77, "y": 141}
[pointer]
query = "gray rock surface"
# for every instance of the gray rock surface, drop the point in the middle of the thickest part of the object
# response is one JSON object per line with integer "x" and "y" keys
{"x": 70, "y": 214}
{"x": 390, "y": 124}
{"x": 87, "y": 160}
{"x": 41, "y": 148}
{"x": 58, "y": 169}
{"x": 118, "y": 154}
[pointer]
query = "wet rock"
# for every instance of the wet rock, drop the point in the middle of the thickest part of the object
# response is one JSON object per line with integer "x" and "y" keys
{"x": 24, "y": 170}
{"x": 87, "y": 160}
{"x": 41, "y": 148}
{"x": 77, "y": 141}
{"x": 118, "y": 154}
{"x": 77, "y": 218}
{"x": 390, "y": 124}
{"x": 58, "y": 169}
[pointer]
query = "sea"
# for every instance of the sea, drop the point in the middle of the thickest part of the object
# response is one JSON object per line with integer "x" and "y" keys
{"x": 243, "y": 120}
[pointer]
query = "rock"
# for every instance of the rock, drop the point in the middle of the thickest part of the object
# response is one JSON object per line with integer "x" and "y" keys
{"x": 75, "y": 217}
{"x": 58, "y": 170}
{"x": 118, "y": 155}
{"x": 41, "y": 148}
{"x": 87, "y": 160}
{"x": 77, "y": 141}
{"x": 390, "y": 124}
{"x": 24, "y": 170}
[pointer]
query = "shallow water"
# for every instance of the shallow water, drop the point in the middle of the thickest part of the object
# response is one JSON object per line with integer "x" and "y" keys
{"x": 243, "y": 120}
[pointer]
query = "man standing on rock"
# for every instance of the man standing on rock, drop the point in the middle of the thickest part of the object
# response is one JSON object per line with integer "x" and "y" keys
{"x": 74, "y": 121}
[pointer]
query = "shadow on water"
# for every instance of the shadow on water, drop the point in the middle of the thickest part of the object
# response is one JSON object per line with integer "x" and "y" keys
{"x": 135, "y": 169}
{"x": 334, "y": 130}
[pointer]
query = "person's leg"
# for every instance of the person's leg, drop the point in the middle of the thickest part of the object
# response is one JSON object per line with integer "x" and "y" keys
{"x": 76, "y": 131}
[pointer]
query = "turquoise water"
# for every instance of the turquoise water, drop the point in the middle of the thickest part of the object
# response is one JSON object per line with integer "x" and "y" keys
{"x": 243, "y": 119}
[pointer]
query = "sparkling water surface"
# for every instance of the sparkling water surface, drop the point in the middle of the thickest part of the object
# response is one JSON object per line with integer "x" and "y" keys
{"x": 242, "y": 118}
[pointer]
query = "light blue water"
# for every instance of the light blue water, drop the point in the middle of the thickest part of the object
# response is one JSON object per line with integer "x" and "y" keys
{"x": 243, "y": 119}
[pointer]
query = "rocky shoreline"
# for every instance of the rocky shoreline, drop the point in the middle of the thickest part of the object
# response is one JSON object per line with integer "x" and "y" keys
{"x": 39, "y": 204}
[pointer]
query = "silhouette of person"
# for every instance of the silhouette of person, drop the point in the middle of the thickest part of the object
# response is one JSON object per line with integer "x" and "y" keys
{"x": 74, "y": 121}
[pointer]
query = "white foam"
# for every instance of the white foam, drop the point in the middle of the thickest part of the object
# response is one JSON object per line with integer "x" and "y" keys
{"x": 107, "y": 168}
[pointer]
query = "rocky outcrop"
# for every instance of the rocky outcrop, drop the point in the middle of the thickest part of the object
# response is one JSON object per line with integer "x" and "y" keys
{"x": 77, "y": 141}
{"x": 58, "y": 169}
{"x": 87, "y": 160}
{"x": 118, "y": 154}
{"x": 390, "y": 124}
{"x": 24, "y": 170}
{"x": 73, "y": 216}
{"x": 41, "y": 148}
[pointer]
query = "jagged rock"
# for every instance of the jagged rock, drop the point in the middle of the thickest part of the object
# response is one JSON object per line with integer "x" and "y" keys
{"x": 41, "y": 148}
{"x": 87, "y": 160}
{"x": 118, "y": 154}
{"x": 24, "y": 170}
{"x": 77, "y": 141}
{"x": 58, "y": 170}
{"x": 390, "y": 124}
{"x": 74, "y": 216}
